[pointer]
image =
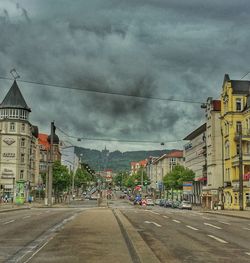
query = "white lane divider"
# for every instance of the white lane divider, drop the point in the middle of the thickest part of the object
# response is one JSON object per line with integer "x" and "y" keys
{"x": 26, "y": 217}
{"x": 218, "y": 239}
{"x": 246, "y": 228}
{"x": 176, "y": 221}
{"x": 165, "y": 216}
{"x": 193, "y": 228}
{"x": 206, "y": 217}
{"x": 226, "y": 223}
{"x": 248, "y": 253}
{"x": 217, "y": 227}
{"x": 149, "y": 222}
{"x": 5, "y": 223}
{"x": 153, "y": 212}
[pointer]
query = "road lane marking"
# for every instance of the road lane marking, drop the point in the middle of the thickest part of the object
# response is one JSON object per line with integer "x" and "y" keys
{"x": 226, "y": 223}
{"x": 149, "y": 222}
{"x": 26, "y": 217}
{"x": 218, "y": 239}
{"x": 206, "y": 217}
{"x": 217, "y": 227}
{"x": 153, "y": 212}
{"x": 248, "y": 253}
{"x": 165, "y": 216}
{"x": 156, "y": 224}
{"x": 176, "y": 221}
{"x": 8, "y": 222}
{"x": 246, "y": 228}
{"x": 192, "y": 227}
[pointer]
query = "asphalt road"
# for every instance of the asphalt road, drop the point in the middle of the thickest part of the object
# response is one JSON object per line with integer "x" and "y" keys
{"x": 23, "y": 230}
{"x": 190, "y": 236}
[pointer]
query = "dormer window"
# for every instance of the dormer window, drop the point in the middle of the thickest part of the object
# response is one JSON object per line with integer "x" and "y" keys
{"x": 238, "y": 104}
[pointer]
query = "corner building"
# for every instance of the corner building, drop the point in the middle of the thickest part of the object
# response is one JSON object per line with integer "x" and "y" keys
{"x": 235, "y": 117}
{"x": 19, "y": 157}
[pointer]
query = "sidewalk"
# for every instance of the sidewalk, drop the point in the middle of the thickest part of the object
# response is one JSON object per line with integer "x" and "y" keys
{"x": 233, "y": 213}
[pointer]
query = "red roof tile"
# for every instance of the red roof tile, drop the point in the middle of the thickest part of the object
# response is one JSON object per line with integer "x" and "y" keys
{"x": 42, "y": 139}
{"x": 175, "y": 154}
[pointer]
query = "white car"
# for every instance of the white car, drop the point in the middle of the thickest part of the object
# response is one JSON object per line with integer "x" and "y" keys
{"x": 185, "y": 205}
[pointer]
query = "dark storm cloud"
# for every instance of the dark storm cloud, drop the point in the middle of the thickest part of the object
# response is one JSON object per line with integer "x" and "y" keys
{"x": 159, "y": 48}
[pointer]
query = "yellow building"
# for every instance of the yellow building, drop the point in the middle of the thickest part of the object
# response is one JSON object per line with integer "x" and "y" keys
{"x": 235, "y": 117}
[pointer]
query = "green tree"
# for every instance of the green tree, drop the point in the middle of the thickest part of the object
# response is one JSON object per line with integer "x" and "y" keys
{"x": 175, "y": 178}
{"x": 61, "y": 178}
{"x": 135, "y": 179}
{"x": 121, "y": 178}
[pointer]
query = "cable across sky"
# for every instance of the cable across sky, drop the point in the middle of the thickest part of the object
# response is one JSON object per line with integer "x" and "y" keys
{"x": 102, "y": 92}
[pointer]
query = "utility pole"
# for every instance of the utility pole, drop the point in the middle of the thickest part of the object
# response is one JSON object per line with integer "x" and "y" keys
{"x": 142, "y": 178}
{"x": 50, "y": 177}
{"x": 240, "y": 170}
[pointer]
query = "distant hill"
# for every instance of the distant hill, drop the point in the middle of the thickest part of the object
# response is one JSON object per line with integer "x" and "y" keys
{"x": 117, "y": 161}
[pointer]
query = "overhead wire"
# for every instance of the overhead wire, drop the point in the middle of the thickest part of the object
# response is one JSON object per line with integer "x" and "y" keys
{"x": 103, "y": 92}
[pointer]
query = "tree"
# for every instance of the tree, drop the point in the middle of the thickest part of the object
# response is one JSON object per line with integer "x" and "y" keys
{"x": 175, "y": 178}
{"x": 135, "y": 179}
{"x": 121, "y": 178}
{"x": 61, "y": 178}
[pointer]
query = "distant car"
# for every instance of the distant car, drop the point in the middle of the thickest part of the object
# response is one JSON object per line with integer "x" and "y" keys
{"x": 168, "y": 203}
{"x": 175, "y": 204}
{"x": 185, "y": 205}
{"x": 157, "y": 201}
{"x": 87, "y": 196}
{"x": 162, "y": 202}
{"x": 149, "y": 202}
{"x": 93, "y": 197}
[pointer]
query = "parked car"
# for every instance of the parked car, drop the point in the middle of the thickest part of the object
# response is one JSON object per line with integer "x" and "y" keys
{"x": 175, "y": 204}
{"x": 157, "y": 201}
{"x": 149, "y": 202}
{"x": 185, "y": 205}
{"x": 162, "y": 202}
{"x": 168, "y": 203}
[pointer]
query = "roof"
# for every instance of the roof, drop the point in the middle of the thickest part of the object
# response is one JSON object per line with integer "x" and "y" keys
{"x": 216, "y": 105}
{"x": 43, "y": 140}
{"x": 14, "y": 99}
{"x": 196, "y": 132}
{"x": 141, "y": 163}
{"x": 175, "y": 154}
{"x": 238, "y": 86}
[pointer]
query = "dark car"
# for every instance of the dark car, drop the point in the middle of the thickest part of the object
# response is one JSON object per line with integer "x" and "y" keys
{"x": 175, "y": 204}
{"x": 168, "y": 203}
{"x": 162, "y": 202}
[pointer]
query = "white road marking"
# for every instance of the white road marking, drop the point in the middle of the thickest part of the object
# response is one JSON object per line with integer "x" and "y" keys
{"x": 176, "y": 221}
{"x": 8, "y": 222}
{"x": 226, "y": 223}
{"x": 206, "y": 217}
{"x": 156, "y": 224}
{"x": 246, "y": 228}
{"x": 165, "y": 216}
{"x": 148, "y": 222}
{"x": 248, "y": 253}
{"x": 217, "y": 227}
{"x": 153, "y": 212}
{"x": 218, "y": 239}
{"x": 26, "y": 217}
{"x": 192, "y": 227}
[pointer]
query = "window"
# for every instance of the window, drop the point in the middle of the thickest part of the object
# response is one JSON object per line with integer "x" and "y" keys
{"x": 23, "y": 127}
{"x": 227, "y": 149}
{"x": 238, "y": 105}
{"x": 23, "y": 142}
{"x": 22, "y": 157}
{"x": 238, "y": 127}
{"x": 237, "y": 148}
{"x": 21, "y": 174}
{"x": 12, "y": 126}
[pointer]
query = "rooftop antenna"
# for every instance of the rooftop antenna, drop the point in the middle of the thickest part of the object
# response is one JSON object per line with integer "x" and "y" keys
{"x": 14, "y": 74}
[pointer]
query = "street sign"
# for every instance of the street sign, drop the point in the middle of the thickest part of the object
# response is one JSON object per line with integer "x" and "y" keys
{"x": 187, "y": 187}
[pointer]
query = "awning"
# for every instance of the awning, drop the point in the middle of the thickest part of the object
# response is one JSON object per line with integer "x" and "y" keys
{"x": 201, "y": 179}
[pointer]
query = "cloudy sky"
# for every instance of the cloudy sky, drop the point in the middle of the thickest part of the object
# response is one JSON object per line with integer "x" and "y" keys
{"x": 155, "y": 48}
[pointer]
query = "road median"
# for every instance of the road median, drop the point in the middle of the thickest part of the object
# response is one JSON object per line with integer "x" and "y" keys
{"x": 142, "y": 250}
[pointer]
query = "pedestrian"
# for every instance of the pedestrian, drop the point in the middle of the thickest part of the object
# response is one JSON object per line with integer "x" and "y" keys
{"x": 30, "y": 199}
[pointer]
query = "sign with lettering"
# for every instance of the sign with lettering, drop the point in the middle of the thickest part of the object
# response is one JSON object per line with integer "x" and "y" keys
{"x": 9, "y": 155}
{"x": 9, "y": 141}
{"x": 7, "y": 174}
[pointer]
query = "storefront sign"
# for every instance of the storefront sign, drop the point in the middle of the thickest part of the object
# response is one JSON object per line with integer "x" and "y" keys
{"x": 7, "y": 174}
{"x": 9, "y": 155}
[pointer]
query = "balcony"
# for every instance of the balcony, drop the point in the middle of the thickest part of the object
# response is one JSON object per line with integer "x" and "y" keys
{"x": 245, "y": 135}
{"x": 245, "y": 159}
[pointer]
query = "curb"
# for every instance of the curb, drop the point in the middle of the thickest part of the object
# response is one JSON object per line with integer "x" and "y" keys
{"x": 142, "y": 250}
{"x": 229, "y": 215}
{"x": 13, "y": 209}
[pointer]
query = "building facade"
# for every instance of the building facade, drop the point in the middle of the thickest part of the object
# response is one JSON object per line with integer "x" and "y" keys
{"x": 235, "y": 123}
{"x": 212, "y": 192}
{"x": 18, "y": 144}
{"x": 195, "y": 160}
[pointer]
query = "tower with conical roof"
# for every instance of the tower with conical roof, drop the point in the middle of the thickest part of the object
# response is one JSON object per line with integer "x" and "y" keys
{"x": 17, "y": 142}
